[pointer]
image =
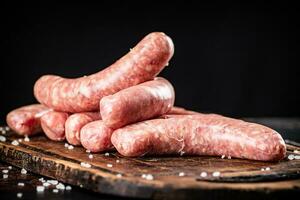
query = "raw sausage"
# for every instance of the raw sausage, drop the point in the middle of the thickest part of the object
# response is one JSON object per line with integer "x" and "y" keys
{"x": 53, "y": 124}
{"x": 26, "y": 120}
{"x": 95, "y": 136}
{"x": 201, "y": 134}
{"x": 74, "y": 124}
{"x": 140, "y": 102}
{"x": 175, "y": 110}
{"x": 141, "y": 64}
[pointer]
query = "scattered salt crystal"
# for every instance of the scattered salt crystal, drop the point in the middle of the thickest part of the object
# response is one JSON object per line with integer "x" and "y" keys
{"x": 7, "y": 128}
{"x": 20, "y": 140}
{"x": 149, "y": 177}
{"x": 2, "y": 138}
{"x": 60, "y": 186}
{"x": 291, "y": 157}
{"x": 46, "y": 184}
{"x": 1, "y": 128}
{"x": 223, "y": 156}
{"x": 19, "y": 195}
{"x": 91, "y": 156}
{"x": 66, "y": 145}
{"x": 215, "y": 174}
{"x": 144, "y": 175}
{"x": 5, "y": 176}
{"x": 181, "y": 153}
{"x": 40, "y": 188}
{"x": 23, "y": 171}
{"x": 41, "y": 180}
{"x": 106, "y": 154}
{"x": 52, "y": 182}
{"x": 262, "y": 169}
{"x": 26, "y": 139}
{"x": 3, "y": 131}
{"x": 5, "y": 171}
{"x": 68, "y": 187}
{"x": 87, "y": 165}
{"x": 70, "y": 147}
{"x": 119, "y": 175}
{"x": 109, "y": 165}
{"x": 81, "y": 185}
{"x": 297, "y": 157}
{"x": 229, "y": 157}
{"x": 55, "y": 190}
{"x": 117, "y": 161}
{"x": 88, "y": 151}
{"x": 15, "y": 143}
{"x": 9, "y": 167}
{"x": 181, "y": 174}
{"x": 267, "y": 168}
{"x": 21, "y": 184}
{"x": 203, "y": 174}
{"x": 296, "y": 151}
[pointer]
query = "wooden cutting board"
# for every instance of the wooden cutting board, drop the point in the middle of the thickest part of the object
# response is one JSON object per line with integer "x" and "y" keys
{"x": 53, "y": 159}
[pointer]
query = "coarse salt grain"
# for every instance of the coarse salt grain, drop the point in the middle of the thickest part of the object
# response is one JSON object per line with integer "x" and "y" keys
{"x": 119, "y": 175}
{"x": 223, "y": 156}
{"x": 216, "y": 174}
{"x": 297, "y": 157}
{"x": 149, "y": 177}
{"x": 109, "y": 165}
{"x": 267, "y": 168}
{"x": 88, "y": 151}
{"x": 41, "y": 180}
{"x": 106, "y": 154}
{"x": 2, "y": 138}
{"x": 3, "y": 131}
{"x": 20, "y": 140}
{"x": 91, "y": 156}
{"x": 229, "y": 157}
{"x": 52, "y": 182}
{"x": 5, "y": 176}
{"x": 5, "y": 171}
{"x": 60, "y": 186}
{"x": 117, "y": 161}
{"x": 291, "y": 157}
{"x": 7, "y": 128}
{"x": 21, "y": 184}
{"x": 66, "y": 145}
{"x": 15, "y": 143}
{"x": 181, "y": 174}
{"x": 19, "y": 195}
{"x": 70, "y": 147}
{"x": 87, "y": 165}
{"x": 23, "y": 171}
{"x": 296, "y": 151}
{"x": 40, "y": 188}
{"x": 262, "y": 169}
{"x": 203, "y": 174}
{"x": 68, "y": 187}
{"x": 144, "y": 175}
{"x": 46, "y": 184}
{"x": 55, "y": 190}
{"x": 26, "y": 139}
{"x": 9, "y": 167}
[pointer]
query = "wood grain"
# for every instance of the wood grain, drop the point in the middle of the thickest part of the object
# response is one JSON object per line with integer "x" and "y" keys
{"x": 52, "y": 159}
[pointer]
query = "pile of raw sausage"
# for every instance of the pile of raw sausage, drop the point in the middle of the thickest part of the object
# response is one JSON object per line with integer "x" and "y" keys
{"x": 127, "y": 108}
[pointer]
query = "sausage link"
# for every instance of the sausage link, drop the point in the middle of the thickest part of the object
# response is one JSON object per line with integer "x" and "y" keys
{"x": 140, "y": 102}
{"x": 26, "y": 120}
{"x": 141, "y": 64}
{"x": 201, "y": 134}
{"x": 74, "y": 124}
{"x": 95, "y": 136}
{"x": 53, "y": 124}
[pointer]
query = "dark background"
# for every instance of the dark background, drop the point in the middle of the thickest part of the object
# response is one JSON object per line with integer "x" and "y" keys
{"x": 234, "y": 59}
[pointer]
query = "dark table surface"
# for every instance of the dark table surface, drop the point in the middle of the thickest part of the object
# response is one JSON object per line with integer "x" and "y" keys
{"x": 288, "y": 127}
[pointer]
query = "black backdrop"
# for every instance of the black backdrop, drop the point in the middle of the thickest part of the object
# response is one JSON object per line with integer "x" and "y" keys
{"x": 232, "y": 59}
